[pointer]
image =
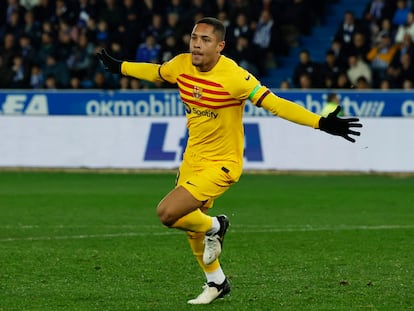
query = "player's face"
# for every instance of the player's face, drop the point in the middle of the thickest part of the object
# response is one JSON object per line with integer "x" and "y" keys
{"x": 205, "y": 47}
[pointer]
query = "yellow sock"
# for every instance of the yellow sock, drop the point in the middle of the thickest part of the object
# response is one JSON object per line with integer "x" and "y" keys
{"x": 196, "y": 240}
{"x": 195, "y": 221}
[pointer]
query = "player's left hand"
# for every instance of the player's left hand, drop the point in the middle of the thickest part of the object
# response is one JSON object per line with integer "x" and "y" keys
{"x": 110, "y": 64}
{"x": 339, "y": 126}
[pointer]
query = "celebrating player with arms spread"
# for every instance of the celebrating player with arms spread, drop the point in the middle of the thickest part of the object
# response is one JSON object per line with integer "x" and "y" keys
{"x": 214, "y": 90}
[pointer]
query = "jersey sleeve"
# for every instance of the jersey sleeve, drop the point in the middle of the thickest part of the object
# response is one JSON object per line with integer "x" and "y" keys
{"x": 241, "y": 83}
{"x": 169, "y": 71}
{"x": 245, "y": 86}
{"x": 287, "y": 109}
{"x": 144, "y": 71}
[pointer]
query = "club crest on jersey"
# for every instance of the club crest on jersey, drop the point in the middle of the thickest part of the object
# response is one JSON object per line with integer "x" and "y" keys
{"x": 197, "y": 92}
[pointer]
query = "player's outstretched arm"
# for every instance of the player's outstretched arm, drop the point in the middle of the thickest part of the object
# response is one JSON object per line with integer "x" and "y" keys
{"x": 340, "y": 126}
{"x": 144, "y": 71}
{"x": 293, "y": 112}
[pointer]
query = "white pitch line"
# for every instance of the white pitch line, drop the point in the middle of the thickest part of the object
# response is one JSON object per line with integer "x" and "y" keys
{"x": 238, "y": 229}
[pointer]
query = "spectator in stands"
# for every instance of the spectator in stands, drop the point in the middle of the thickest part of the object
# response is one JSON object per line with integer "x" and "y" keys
{"x": 173, "y": 27}
{"x": 13, "y": 25}
{"x": 149, "y": 51}
{"x": 67, "y": 36}
{"x": 385, "y": 84}
{"x": 407, "y": 28}
{"x": 111, "y": 13}
{"x": 357, "y": 68}
{"x": 50, "y": 82}
{"x": 175, "y": 6}
{"x": 124, "y": 83}
{"x": 330, "y": 69}
{"x": 21, "y": 73}
{"x": 86, "y": 11}
{"x": 135, "y": 84}
{"x": 221, "y": 6}
{"x": 169, "y": 48}
{"x": 298, "y": 13}
{"x": 375, "y": 12}
{"x": 26, "y": 49}
{"x": 6, "y": 73}
{"x": 81, "y": 57}
{"x": 362, "y": 84}
{"x": 129, "y": 28}
{"x": 47, "y": 47}
{"x": 400, "y": 15}
{"x": 43, "y": 10}
{"x": 244, "y": 55}
{"x": 100, "y": 81}
{"x": 224, "y": 18}
{"x": 263, "y": 40}
{"x": 380, "y": 57}
{"x": 195, "y": 7}
{"x": 346, "y": 29}
{"x": 307, "y": 66}
{"x": 243, "y": 6}
{"x": 65, "y": 11}
{"x": 340, "y": 53}
{"x": 401, "y": 71}
{"x": 37, "y": 80}
{"x": 102, "y": 34}
{"x": 13, "y": 7}
{"x": 305, "y": 81}
{"x": 285, "y": 85}
{"x": 360, "y": 46}
{"x": 75, "y": 83}
{"x": 7, "y": 50}
{"x": 237, "y": 29}
{"x": 408, "y": 85}
{"x": 32, "y": 28}
{"x": 155, "y": 28}
{"x": 342, "y": 82}
{"x": 406, "y": 47}
{"x": 386, "y": 28}
{"x": 57, "y": 69}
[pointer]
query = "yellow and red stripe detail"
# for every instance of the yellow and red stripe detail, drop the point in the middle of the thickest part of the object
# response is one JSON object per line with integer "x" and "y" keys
{"x": 213, "y": 94}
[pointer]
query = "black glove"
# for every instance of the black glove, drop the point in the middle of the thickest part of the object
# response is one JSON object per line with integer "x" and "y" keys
{"x": 339, "y": 126}
{"x": 110, "y": 64}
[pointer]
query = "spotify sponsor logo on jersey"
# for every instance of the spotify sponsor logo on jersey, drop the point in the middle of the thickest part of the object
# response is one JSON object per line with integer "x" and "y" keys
{"x": 200, "y": 112}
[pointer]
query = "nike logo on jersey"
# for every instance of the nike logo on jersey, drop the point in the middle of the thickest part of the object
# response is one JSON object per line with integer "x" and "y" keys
{"x": 247, "y": 78}
{"x": 190, "y": 183}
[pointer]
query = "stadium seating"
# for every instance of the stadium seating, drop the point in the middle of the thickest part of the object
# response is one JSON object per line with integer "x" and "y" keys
{"x": 317, "y": 43}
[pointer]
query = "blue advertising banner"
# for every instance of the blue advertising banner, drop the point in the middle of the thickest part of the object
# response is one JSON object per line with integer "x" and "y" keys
{"x": 167, "y": 103}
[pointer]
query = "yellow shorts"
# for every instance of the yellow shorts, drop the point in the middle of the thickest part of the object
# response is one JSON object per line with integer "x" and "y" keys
{"x": 207, "y": 180}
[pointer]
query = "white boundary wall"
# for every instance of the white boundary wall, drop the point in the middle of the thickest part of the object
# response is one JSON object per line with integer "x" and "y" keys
{"x": 386, "y": 144}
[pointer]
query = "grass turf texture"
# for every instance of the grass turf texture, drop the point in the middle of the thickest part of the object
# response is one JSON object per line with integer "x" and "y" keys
{"x": 75, "y": 241}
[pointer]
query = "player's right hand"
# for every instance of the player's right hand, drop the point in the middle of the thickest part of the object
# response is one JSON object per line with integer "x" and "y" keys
{"x": 110, "y": 64}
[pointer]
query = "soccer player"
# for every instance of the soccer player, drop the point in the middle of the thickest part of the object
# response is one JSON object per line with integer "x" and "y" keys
{"x": 214, "y": 89}
{"x": 332, "y": 103}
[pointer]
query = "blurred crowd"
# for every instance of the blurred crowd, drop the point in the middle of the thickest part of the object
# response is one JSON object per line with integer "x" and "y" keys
{"x": 53, "y": 44}
{"x": 375, "y": 50}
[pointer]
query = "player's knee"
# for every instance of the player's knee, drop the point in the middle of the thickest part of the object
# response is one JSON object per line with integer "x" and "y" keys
{"x": 166, "y": 217}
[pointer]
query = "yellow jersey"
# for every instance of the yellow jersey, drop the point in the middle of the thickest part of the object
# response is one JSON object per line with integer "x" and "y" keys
{"x": 214, "y": 104}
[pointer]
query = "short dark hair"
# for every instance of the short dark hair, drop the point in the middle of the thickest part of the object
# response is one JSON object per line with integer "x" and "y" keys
{"x": 331, "y": 97}
{"x": 219, "y": 27}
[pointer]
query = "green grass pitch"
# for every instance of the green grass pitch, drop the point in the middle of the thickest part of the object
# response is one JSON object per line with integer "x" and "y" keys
{"x": 92, "y": 241}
